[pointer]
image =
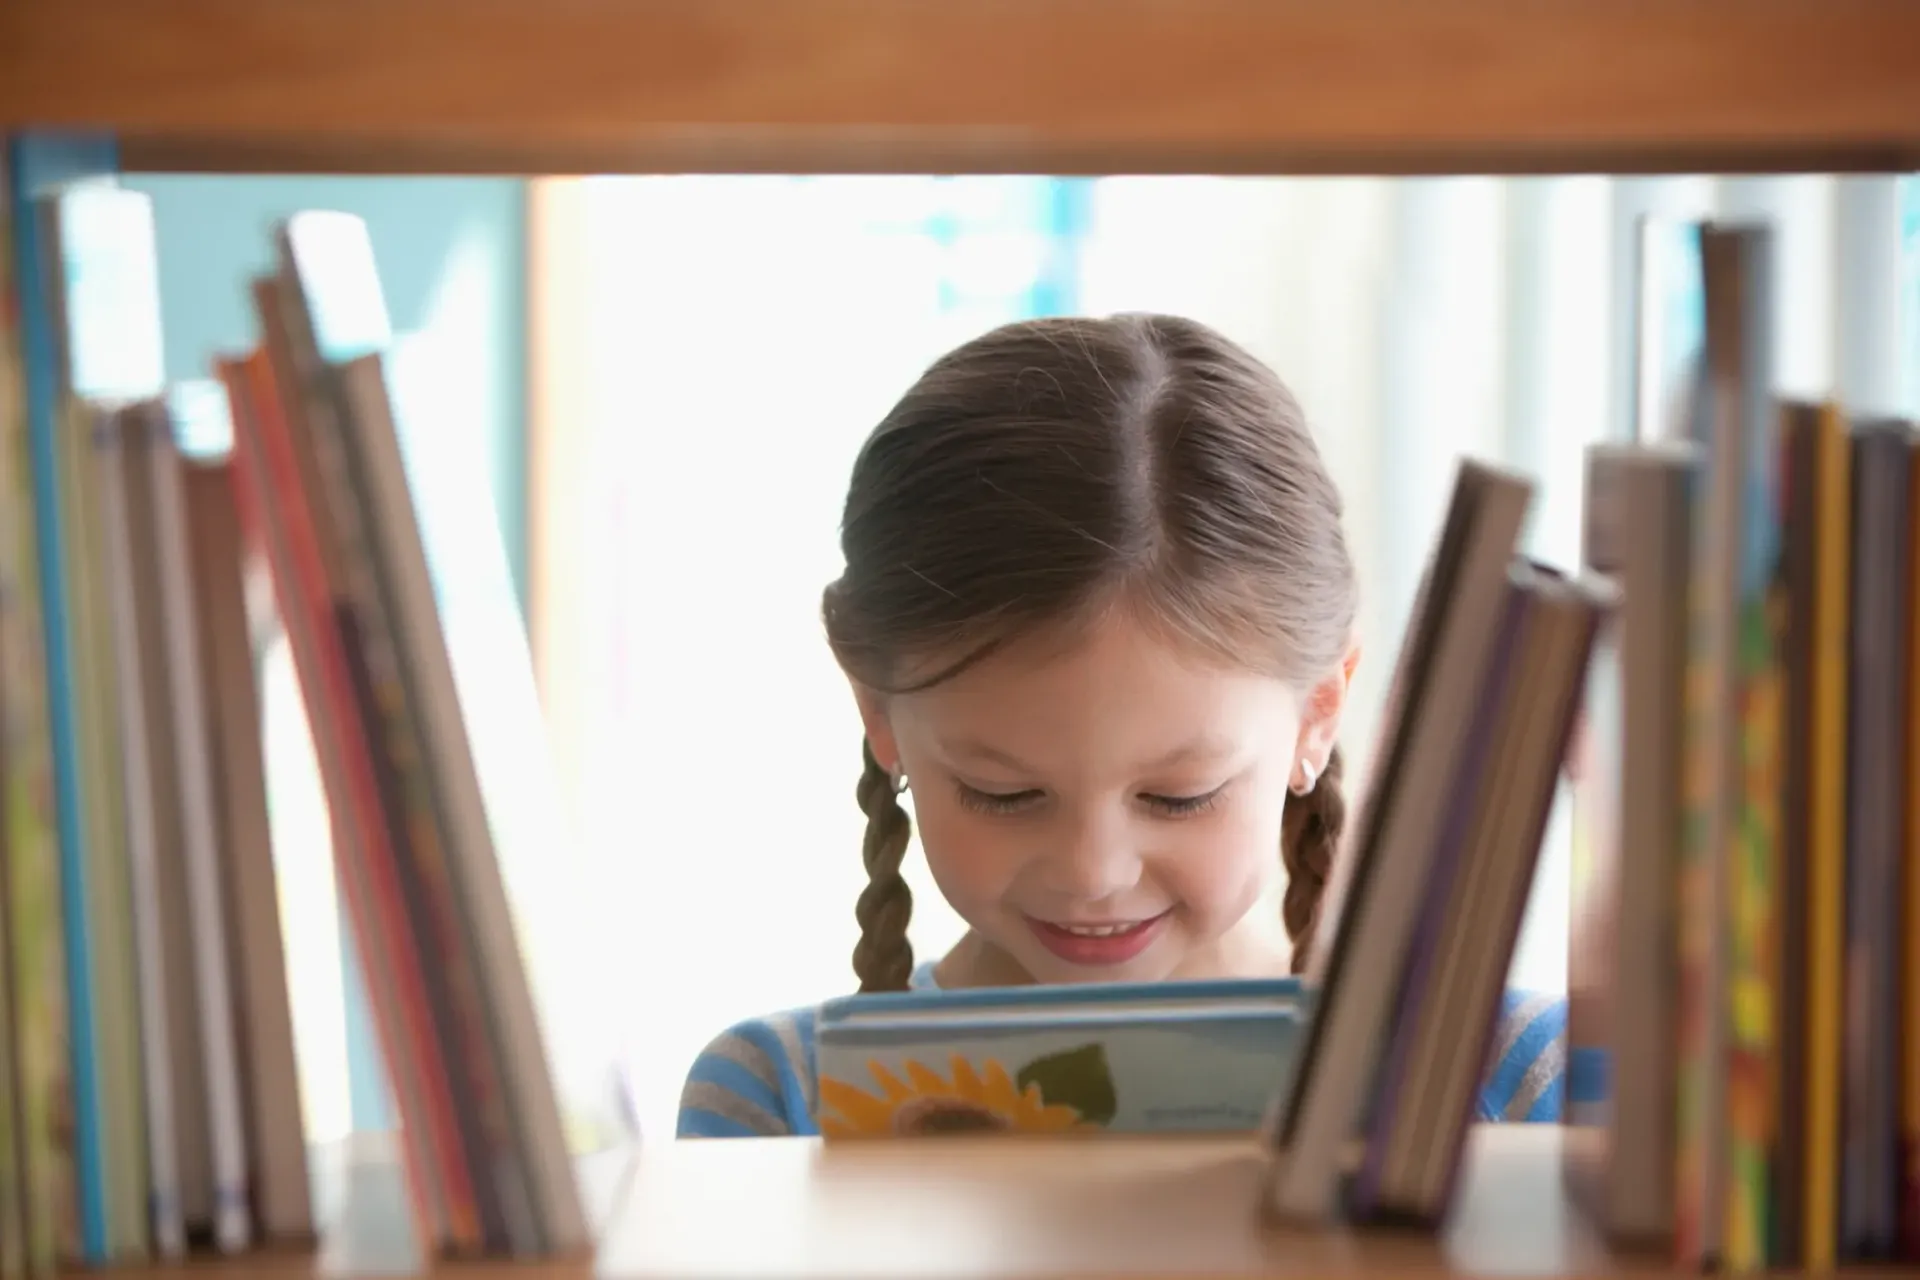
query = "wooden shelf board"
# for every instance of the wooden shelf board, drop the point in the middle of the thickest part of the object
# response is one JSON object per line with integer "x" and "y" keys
{"x": 1065, "y": 86}
{"x": 992, "y": 1209}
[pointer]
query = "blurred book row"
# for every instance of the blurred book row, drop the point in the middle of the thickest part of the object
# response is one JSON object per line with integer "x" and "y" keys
{"x": 149, "y": 1085}
{"x": 1746, "y": 892}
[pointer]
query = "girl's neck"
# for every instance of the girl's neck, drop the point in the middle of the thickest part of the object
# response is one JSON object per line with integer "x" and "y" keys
{"x": 1256, "y": 948}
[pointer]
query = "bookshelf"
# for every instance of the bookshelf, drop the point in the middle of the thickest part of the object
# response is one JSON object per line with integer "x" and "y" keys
{"x": 1065, "y": 86}
{"x": 1031, "y": 85}
{"x": 1152, "y": 1208}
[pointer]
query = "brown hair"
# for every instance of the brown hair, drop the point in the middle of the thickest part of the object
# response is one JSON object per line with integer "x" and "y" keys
{"x": 1052, "y": 468}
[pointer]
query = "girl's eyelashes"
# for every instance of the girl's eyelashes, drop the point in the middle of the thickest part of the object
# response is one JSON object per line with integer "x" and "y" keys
{"x": 994, "y": 801}
{"x": 1183, "y": 806}
{"x": 1004, "y": 802}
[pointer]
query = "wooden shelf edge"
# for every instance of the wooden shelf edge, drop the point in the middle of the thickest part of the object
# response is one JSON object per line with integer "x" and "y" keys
{"x": 1062, "y": 1208}
{"x": 774, "y": 151}
{"x": 1064, "y": 86}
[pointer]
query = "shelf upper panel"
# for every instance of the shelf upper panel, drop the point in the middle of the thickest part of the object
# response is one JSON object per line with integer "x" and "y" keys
{"x": 1066, "y": 86}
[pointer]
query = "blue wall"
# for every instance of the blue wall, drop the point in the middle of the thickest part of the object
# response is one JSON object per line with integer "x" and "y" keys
{"x": 214, "y": 236}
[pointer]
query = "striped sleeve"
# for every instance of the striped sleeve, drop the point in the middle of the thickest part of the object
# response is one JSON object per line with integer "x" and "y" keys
{"x": 754, "y": 1079}
{"x": 1528, "y": 1079}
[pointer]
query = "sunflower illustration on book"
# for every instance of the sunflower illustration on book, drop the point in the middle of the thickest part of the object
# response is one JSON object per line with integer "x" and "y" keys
{"x": 1058, "y": 1093}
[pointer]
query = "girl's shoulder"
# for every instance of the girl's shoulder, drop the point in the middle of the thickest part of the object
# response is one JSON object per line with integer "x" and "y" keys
{"x": 757, "y": 1078}
{"x": 1530, "y": 1078}
{"x": 754, "y": 1079}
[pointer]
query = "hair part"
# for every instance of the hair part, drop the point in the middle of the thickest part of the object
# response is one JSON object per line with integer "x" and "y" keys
{"x": 1052, "y": 469}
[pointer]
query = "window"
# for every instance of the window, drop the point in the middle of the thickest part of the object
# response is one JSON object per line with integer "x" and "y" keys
{"x": 738, "y": 338}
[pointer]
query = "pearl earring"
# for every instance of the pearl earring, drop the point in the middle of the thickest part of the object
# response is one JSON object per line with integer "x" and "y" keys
{"x": 1303, "y": 784}
{"x": 899, "y": 781}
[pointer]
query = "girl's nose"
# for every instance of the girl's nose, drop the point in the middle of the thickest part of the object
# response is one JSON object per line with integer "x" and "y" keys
{"x": 1094, "y": 860}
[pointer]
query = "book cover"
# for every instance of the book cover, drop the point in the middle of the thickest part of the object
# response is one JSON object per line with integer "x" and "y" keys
{"x": 1167, "y": 1057}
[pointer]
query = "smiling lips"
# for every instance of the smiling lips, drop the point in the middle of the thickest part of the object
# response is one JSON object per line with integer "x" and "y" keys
{"x": 1102, "y": 943}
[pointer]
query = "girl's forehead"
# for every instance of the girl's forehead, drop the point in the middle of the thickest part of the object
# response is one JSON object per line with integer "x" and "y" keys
{"x": 1088, "y": 658}
{"x": 1121, "y": 691}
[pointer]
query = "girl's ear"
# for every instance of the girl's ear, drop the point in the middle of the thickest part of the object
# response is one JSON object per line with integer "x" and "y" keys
{"x": 878, "y": 727}
{"x": 1320, "y": 715}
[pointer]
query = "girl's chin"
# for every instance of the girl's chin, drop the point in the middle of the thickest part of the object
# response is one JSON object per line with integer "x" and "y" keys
{"x": 1020, "y": 951}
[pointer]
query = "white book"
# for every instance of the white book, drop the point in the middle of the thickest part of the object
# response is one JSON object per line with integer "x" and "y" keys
{"x": 232, "y": 1201}
{"x": 169, "y": 1234}
{"x": 1622, "y": 968}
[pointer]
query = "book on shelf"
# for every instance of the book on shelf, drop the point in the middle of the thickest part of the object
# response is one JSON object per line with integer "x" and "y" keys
{"x": 1189, "y": 1057}
{"x": 1625, "y": 829}
{"x": 150, "y": 1088}
{"x": 1428, "y": 893}
{"x": 1746, "y": 891}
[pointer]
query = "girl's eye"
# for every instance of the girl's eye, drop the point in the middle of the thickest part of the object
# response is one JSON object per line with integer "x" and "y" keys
{"x": 994, "y": 801}
{"x": 1182, "y": 806}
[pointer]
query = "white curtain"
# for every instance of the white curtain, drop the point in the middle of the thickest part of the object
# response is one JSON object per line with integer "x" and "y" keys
{"x": 748, "y": 332}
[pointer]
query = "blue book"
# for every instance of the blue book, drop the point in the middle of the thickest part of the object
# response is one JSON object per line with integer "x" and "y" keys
{"x": 1162, "y": 1057}
{"x": 39, "y": 165}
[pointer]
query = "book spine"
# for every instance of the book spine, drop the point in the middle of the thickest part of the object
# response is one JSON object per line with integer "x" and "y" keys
{"x": 13, "y": 1208}
{"x": 532, "y": 1151}
{"x": 165, "y": 1202}
{"x": 30, "y": 170}
{"x": 1828, "y": 839}
{"x": 1799, "y": 615}
{"x": 394, "y": 691}
{"x": 413, "y": 836}
{"x": 1508, "y": 910}
{"x": 1739, "y": 263}
{"x": 213, "y": 968}
{"x": 1907, "y": 1024}
{"x": 1451, "y": 854}
{"x": 282, "y": 532}
{"x": 1868, "y": 1202}
{"x": 29, "y": 808}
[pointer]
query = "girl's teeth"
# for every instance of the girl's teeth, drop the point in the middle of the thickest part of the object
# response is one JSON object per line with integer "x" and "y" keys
{"x": 1096, "y": 930}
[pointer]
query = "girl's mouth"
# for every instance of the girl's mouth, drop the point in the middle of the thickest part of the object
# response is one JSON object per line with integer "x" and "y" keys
{"x": 1098, "y": 942}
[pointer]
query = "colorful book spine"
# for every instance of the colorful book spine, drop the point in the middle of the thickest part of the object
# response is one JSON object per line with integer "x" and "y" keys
{"x": 36, "y": 164}
{"x": 1740, "y": 307}
{"x": 35, "y": 926}
{"x": 1699, "y": 1126}
{"x": 90, "y": 268}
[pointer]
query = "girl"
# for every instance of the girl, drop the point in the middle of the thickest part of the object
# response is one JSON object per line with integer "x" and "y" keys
{"x": 1098, "y": 615}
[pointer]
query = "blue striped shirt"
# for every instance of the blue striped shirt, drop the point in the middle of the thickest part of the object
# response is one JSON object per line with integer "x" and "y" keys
{"x": 756, "y": 1079}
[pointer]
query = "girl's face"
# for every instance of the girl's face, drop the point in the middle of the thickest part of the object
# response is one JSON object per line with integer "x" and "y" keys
{"x": 1107, "y": 812}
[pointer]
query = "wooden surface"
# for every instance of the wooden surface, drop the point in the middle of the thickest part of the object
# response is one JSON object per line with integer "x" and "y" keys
{"x": 1120, "y": 1207}
{"x": 985, "y": 85}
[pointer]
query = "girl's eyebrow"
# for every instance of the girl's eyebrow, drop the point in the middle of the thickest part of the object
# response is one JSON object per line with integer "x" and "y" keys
{"x": 981, "y": 753}
{"x": 1206, "y": 747}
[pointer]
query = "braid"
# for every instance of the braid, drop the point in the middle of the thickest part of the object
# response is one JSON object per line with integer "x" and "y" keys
{"x": 883, "y": 958}
{"x": 1309, "y": 835}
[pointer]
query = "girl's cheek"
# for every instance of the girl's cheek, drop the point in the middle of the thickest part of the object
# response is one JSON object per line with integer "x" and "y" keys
{"x": 968, "y": 848}
{"x": 1222, "y": 862}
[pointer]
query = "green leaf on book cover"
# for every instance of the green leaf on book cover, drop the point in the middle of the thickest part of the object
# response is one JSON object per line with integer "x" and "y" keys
{"x": 1077, "y": 1078}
